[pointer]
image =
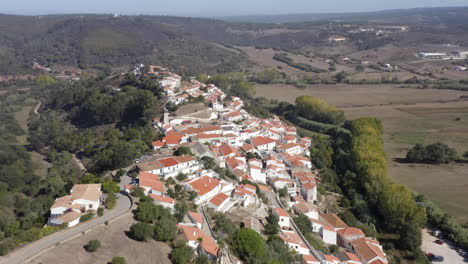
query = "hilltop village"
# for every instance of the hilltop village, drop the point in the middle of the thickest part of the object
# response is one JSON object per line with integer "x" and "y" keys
{"x": 250, "y": 169}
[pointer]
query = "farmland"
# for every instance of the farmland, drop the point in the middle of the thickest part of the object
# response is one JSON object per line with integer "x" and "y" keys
{"x": 409, "y": 116}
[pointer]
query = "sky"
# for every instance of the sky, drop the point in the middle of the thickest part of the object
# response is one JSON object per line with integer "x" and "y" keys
{"x": 212, "y": 8}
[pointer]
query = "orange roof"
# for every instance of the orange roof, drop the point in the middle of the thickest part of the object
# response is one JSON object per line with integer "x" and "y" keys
{"x": 197, "y": 217}
{"x": 259, "y": 141}
{"x": 184, "y": 159}
{"x": 331, "y": 258}
{"x": 172, "y": 140}
{"x": 204, "y": 184}
{"x": 367, "y": 249}
{"x": 308, "y": 186}
{"x": 291, "y": 237}
{"x": 210, "y": 128}
{"x": 345, "y": 256}
{"x": 168, "y": 162}
{"x": 245, "y": 189}
{"x": 351, "y": 232}
{"x": 218, "y": 199}
{"x": 193, "y": 233}
{"x": 225, "y": 149}
{"x": 205, "y": 136}
{"x": 281, "y": 212}
{"x": 162, "y": 199}
{"x": 232, "y": 114}
{"x": 247, "y": 147}
{"x": 158, "y": 143}
{"x": 265, "y": 188}
{"x": 333, "y": 220}
{"x": 153, "y": 184}
{"x": 308, "y": 259}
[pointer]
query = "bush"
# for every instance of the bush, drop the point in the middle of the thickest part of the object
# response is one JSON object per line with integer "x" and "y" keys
{"x": 181, "y": 254}
{"x": 318, "y": 110}
{"x": 100, "y": 211}
{"x": 141, "y": 231}
{"x": 86, "y": 217}
{"x": 118, "y": 260}
{"x": 92, "y": 245}
{"x": 437, "y": 153}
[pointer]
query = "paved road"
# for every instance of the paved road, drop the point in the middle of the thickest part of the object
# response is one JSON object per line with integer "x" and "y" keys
{"x": 446, "y": 250}
{"x": 32, "y": 249}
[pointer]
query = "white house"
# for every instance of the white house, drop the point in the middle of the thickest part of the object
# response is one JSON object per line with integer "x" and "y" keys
{"x": 194, "y": 235}
{"x": 294, "y": 242}
{"x": 291, "y": 149}
{"x": 245, "y": 194}
{"x": 283, "y": 217}
{"x": 219, "y": 202}
{"x": 328, "y": 235}
{"x": 70, "y": 218}
{"x": 256, "y": 173}
{"x": 170, "y": 166}
{"x": 196, "y": 218}
{"x": 233, "y": 116}
{"x": 309, "y": 191}
{"x": 82, "y": 198}
{"x": 307, "y": 209}
{"x": 263, "y": 143}
{"x": 205, "y": 187}
{"x": 164, "y": 201}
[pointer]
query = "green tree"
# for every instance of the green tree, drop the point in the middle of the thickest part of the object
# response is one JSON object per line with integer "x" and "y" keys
{"x": 110, "y": 187}
{"x": 303, "y": 223}
{"x": 268, "y": 75}
{"x": 181, "y": 151}
{"x": 92, "y": 245}
{"x": 45, "y": 80}
{"x": 137, "y": 192}
{"x": 165, "y": 229}
{"x": 181, "y": 253}
{"x": 141, "y": 231}
{"x": 147, "y": 212}
{"x": 316, "y": 109}
{"x": 248, "y": 245}
{"x": 437, "y": 153}
{"x": 181, "y": 209}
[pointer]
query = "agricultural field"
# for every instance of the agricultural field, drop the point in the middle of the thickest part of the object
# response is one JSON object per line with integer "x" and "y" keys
{"x": 409, "y": 116}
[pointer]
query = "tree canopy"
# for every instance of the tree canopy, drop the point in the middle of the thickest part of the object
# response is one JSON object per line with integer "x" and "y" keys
{"x": 437, "y": 153}
{"x": 318, "y": 110}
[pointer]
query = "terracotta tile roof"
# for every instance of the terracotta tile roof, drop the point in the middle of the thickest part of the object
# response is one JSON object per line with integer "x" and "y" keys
{"x": 204, "y": 184}
{"x": 333, "y": 220}
{"x": 304, "y": 207}
{"x": 218, "y": 199}
{"x": 172, "y": 140}
{"x": 347, "y": 256}
{"x": 308, "y": 259}
{"x": 210, "y": 128}
{"x": 197, "y": 217}
{"x": 162, "y": 199}
{"x": 329, "y": 228}
{"x": 153, "y": 184}
{"x": 366, "y": 249}
{"x": 184, "y": 159}
{"x": 331, "y": 258}
{"x": 288, "y": 146}
{"x": 158, "y": 143}
{"x": 247, "y": 147}
{"x": 69, "y": 217}
{"x": 291, "y": 237}
{"x": 245, "y": 189}
{"x": 168, "y": 162}
{"x": 207, "y": 136}
{"x": 281, "y": 212}
{"x": 259, "y": 141}
{"x": 193, "y": 233}
{"x": 289, "y": 137}
{"x": 299, "y": 199}
{"x": 225, "y": 150}
{"x": 265, "y": 188}
{"x": 308, "y": 186}
{"x": 232, "y": 114}
{"x": 351, "y": 232}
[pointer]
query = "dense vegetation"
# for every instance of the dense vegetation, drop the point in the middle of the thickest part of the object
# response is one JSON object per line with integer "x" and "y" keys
{"x": 108, "y": 127}
{"x": 283, "y": 57}
{"x": 437, "y": 153}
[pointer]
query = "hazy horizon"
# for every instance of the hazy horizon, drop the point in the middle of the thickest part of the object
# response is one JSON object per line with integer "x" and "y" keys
{"x": 211, "y": 8}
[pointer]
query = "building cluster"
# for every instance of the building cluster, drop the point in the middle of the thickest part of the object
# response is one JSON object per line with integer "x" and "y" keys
{"x": 260, "y": 155}
{"x": 456, "y": 55}
{"x": 266, "y": 152}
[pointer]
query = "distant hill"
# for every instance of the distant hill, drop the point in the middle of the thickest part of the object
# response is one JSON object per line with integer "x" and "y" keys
{"x": 87, "y": 40}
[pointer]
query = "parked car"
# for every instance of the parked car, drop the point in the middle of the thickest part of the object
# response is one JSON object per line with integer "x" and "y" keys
{"x": 440, "y": 242}
{"x": 436, "y": 258}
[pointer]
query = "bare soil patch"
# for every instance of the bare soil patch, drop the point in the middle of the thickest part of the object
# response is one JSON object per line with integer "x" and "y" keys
{"x": 114, "y": 243}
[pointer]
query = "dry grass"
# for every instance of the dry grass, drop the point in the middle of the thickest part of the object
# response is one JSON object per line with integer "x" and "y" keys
{"x": 426, "y": 123}
{"x": 358, "y": 95}
{"x": 114, "y": 243}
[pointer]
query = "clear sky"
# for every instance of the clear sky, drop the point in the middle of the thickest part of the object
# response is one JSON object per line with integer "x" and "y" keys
{"x": 210, "y": 8}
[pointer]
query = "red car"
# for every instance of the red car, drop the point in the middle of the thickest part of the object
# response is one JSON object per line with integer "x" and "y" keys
{"x": 429, "y": 255}
{"x": 440, "y": 242}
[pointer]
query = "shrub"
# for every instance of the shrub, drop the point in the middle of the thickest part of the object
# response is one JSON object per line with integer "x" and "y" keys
{"x": 437, "y": 153}
{"x": 92, "y": 245}
{"x": 86, "y": 217}
{"x": 100, "y": 211}
{"x": 118, "y": 260}
{"x": 141, "y": 231}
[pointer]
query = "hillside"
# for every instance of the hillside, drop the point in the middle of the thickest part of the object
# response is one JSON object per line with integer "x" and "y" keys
{"x": 86, "y": 41}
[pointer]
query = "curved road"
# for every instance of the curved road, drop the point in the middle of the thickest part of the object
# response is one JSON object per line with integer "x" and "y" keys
{"x": 30, "y": 250}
